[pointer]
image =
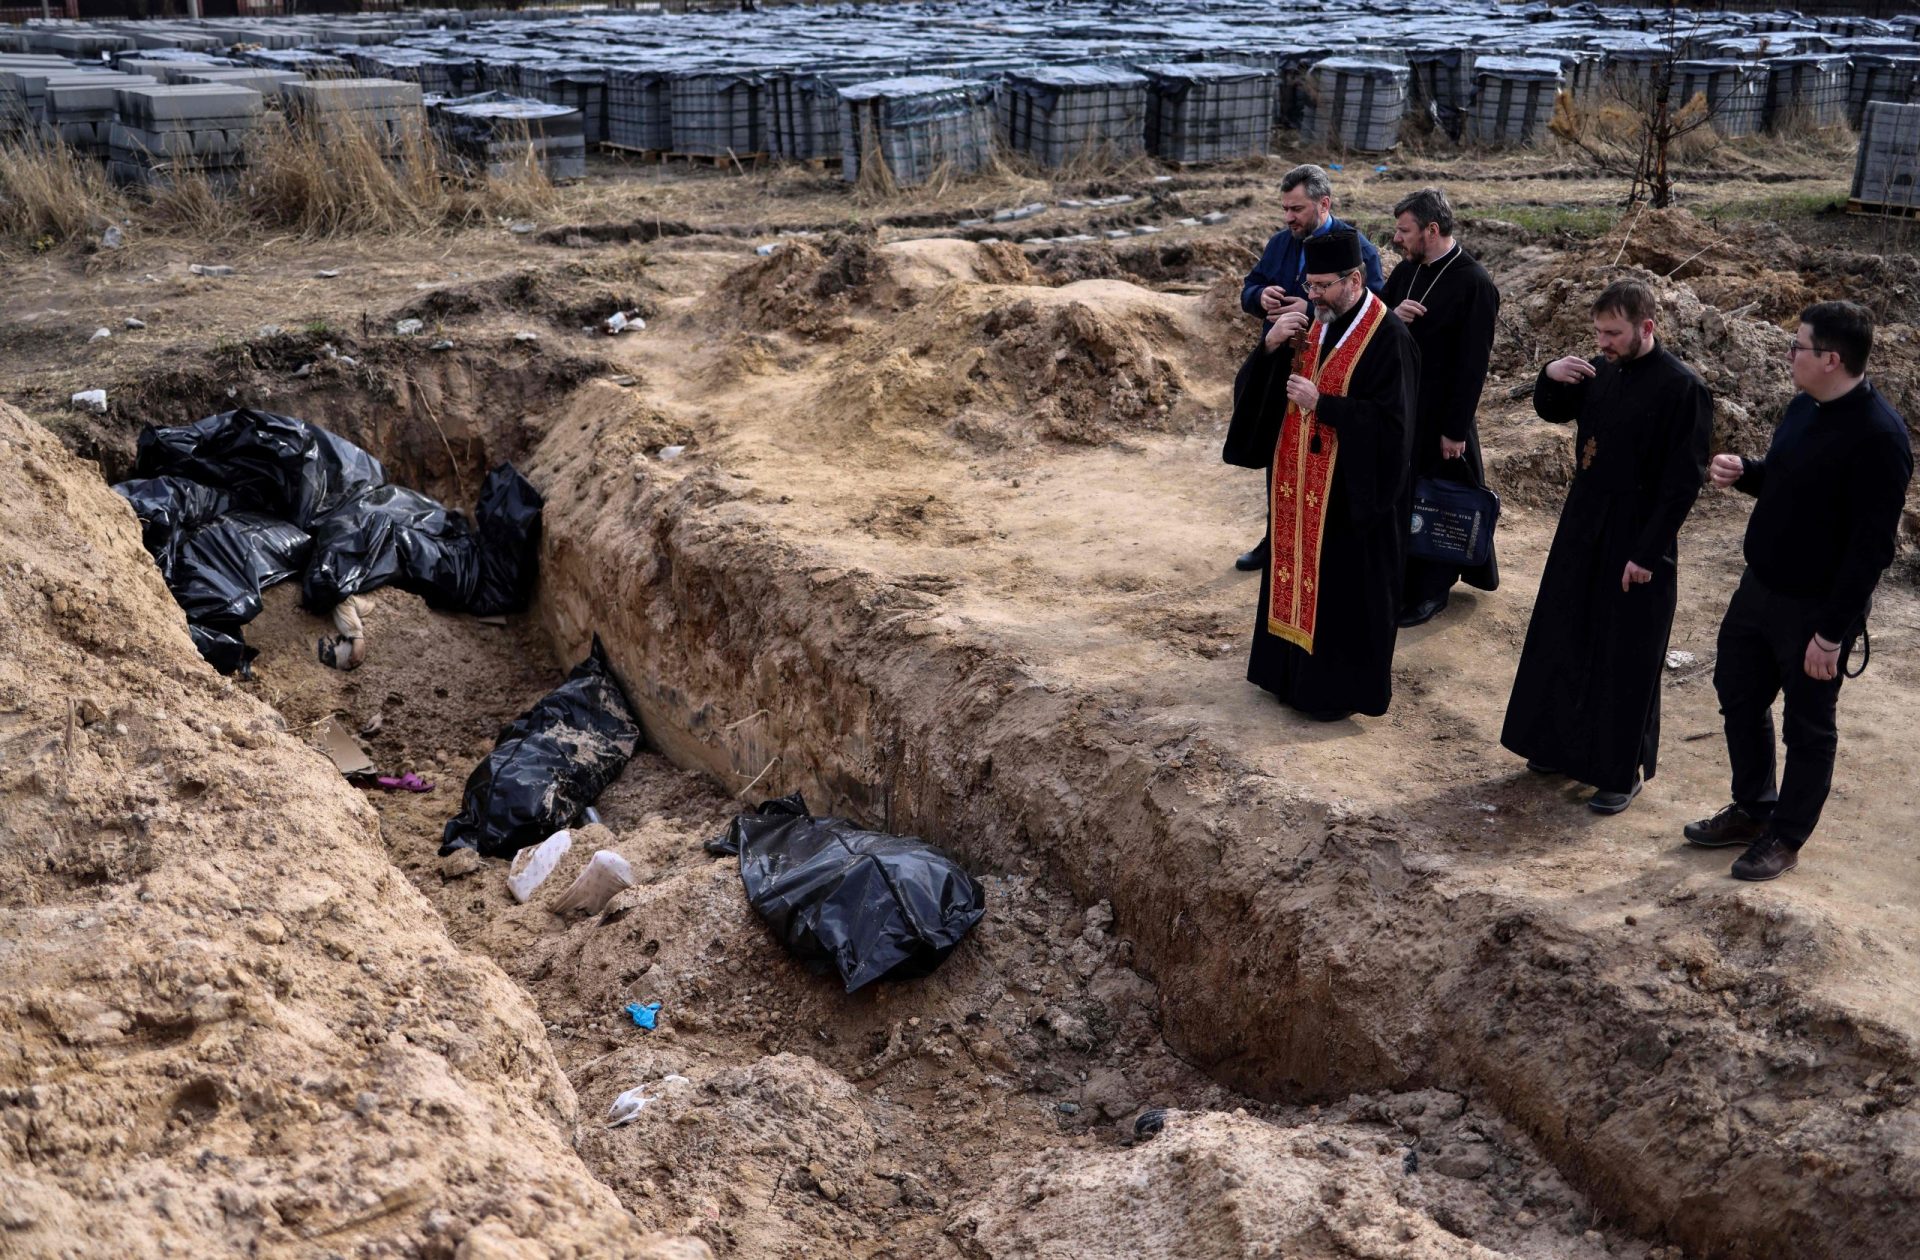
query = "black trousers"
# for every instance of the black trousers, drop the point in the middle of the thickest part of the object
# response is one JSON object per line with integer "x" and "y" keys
{"x": 1762, "y": 653}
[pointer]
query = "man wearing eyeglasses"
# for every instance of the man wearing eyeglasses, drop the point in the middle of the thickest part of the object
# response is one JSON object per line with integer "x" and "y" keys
{"x": 1829, "y": 494}
{"x": 1334, "y": 423}
{"x": 1277, "y": 283}
{"x": 1586, "y": 697}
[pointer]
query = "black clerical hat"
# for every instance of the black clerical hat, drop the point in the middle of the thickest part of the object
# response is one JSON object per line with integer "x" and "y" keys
{"x": 1332, "y": 252}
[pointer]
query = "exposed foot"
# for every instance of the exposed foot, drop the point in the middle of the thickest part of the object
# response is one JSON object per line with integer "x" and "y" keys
{"x": 1769, "y": 857}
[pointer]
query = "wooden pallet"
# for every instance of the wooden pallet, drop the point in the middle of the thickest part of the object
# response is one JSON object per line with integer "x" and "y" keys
{"x": 1857, "y": 206}
{"x": 645, "y": 155}
{"x": 724, "y": 161}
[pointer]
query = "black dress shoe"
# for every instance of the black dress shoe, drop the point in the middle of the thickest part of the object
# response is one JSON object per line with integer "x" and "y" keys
{"x": 1769, "y": 857}
{"x": 1613, "y": 802}
{"x": 1730, "y": 828}
{"x": 1248, "y": 561}
{"x": 1327, "y": 715}
{"x": 1421, "y": 613}
{"x": 1541, "y": 767}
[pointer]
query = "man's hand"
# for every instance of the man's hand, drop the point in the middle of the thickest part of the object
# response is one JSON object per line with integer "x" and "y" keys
{"x": 1822, "y": 662}
{"x": 1450, "y": 449}
{"x": 1284, "y": 327}
{"x": 1571, "y": 370}
{"x": 1634, "y": 576}
{"x": 1409, "y": 310}
{"x": 1273, "y": 300}
{"x": 1725, "y": 470}
{"x": 1303, "y": 393}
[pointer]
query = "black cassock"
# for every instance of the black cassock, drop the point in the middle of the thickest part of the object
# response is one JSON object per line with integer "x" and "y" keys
{"x": 1455, "y": 337}
{"x": 1586, "y": 699}
{"x": 1361, "y": 556}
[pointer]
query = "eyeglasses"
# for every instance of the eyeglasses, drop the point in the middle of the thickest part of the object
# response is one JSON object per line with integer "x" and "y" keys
{"x": 1316, "y": 286}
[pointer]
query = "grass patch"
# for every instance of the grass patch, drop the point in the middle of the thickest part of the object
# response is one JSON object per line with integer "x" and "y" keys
{"x": 1800, "y": 203}
{"x": 1583, "y": 222}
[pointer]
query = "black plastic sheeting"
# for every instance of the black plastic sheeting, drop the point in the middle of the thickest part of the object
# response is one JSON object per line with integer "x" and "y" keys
{"x": 265, "y": 462}
{"x": 548, "y": 764}
{"x": 234, "y": 503}
{"x": 864, "y": 904}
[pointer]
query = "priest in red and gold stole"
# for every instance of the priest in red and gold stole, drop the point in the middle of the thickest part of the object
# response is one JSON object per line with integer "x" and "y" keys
{"x": 1327, "y": 403}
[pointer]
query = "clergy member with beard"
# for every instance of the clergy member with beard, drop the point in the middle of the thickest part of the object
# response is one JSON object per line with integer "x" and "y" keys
{"x": 1448, "y": 302}
{"x": 1331, "y": 409}
{"x": 1586, "y": 699}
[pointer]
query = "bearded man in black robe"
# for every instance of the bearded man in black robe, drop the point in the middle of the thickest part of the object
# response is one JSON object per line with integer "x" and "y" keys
{"x": 1449, "y": 303}
{"x": 1328, "y": 405}
{"x": 1586, "y": 699}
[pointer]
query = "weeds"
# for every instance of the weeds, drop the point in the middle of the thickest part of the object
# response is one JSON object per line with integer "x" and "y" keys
{"x": 48, "y": 196}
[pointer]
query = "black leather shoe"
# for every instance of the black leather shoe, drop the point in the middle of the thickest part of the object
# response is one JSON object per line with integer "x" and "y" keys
{"x": 1248, "y": 561}
{"x": 1730, "y": 828}
{"x": 1327, "y": 715}
{"x": 1613, "y": 802}
{"x": 1421, "y": 613}
{"x": 1769, "y": 857}
{"x": 1541, "y": 767}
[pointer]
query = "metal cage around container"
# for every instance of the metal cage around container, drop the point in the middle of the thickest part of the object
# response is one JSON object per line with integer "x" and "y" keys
{"x": 1207, "y": 111}
{"x": 1358, "y": 104}
{"x": 1060, "y": 114}
{"x": 915, "y": 126}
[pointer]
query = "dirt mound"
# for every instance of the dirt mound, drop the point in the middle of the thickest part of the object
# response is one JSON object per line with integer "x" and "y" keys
{"x": 1148, "y": 262}
{"x": 230, "y": 1029}
{"x": 571, "y": 296}
{"x": 1231, "y": 1186}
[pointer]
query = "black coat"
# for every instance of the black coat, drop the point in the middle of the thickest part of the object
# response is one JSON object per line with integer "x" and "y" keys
{"x": 1586, "y": 698}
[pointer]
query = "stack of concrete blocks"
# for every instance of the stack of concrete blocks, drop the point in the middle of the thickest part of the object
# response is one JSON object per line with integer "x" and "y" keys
{"x": 271, "y": 84}
{"x": 1806, "y": 90}
{"x": 718, "y": 113}
{"x": 1441, "y": 85}
{"x": 314, "y": 65}
{"x": 1358, "y": 104}
{"x": 639, "y": 108}
{"x": 23, "y": 93}
{"x": 1886, "y": 174}
{"x": 1061, "y": 114}
{"x": 578, "y": 85}
{"x": 169, "y": 129}
{"x": 81, "y": 110}
{"x": 1876, "y": 76}
{"x": 1203, "y": 111}
{"x": 1628, "y": 72}
{"x": 1735, "y": 93}
{"x": 803, "y": 109}
{"x": 387, "y": 112}
{"x": 915, "y": 126}
{"x": 89, "y": 43}
{"x": 496, "y": 131}
{"x": 1513, "y": 98}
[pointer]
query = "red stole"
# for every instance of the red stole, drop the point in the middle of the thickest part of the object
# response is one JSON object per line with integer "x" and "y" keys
{"x": 1303, "y": 478}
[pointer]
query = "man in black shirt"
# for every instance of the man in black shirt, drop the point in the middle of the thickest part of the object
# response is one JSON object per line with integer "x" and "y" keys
{"x": 1449, "y": 303}
{"x": 1830, "y": 493}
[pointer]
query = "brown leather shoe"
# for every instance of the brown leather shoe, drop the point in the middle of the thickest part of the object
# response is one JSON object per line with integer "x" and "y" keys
{"x": 1732, "y": 827}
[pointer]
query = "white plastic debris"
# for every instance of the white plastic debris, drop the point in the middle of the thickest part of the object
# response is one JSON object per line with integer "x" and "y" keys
{"x": 410, "y": 327}
{"x": 269, "y": 331}
{"x": 326, "y": 275}
{"x": 131, "y": 322}
{"x": 531, "y": 866}
{"x": 94, "y": 400}
{"x": 672, "y": 452}
{"x": 1677, "y": 659}
{"x": 628, "y": 1106}
{"x": 100, "y": 334}
{"x": 607, "y": 874}
{"x": 766, "y": 251}
{"x": 526, "y": 337}
{"x": 441, "y": 345}
{"x": 1215, "y": 219}
{"x": 520, "y": 229}
{"x": 205, "y": 269}
{"x": 619, "y": 322}
{"x": 112, "y": 238}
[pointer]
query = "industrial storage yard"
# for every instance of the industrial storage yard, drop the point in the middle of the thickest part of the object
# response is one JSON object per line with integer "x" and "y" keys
{"x": 864, "y": 372}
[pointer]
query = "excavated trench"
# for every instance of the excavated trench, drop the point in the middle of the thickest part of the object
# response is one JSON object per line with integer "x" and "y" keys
{"x": 1164, "y": 926}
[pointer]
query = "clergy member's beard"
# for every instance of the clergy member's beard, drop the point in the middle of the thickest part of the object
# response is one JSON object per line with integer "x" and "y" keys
{"x": 1324, "y": 311}
{"x": 1633, "y": 350}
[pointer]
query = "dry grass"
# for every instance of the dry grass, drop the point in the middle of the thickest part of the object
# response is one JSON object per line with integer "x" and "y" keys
{"x": 48, "y": 196}
{"x": 312, "y": 182}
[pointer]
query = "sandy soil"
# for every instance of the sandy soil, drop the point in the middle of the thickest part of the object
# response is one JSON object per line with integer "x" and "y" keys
{"x": 949, "y": 548}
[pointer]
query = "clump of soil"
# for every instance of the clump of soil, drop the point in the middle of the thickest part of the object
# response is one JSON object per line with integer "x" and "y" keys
{"x": 1149, "y": 263}
{"x": 570, "y": 296}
